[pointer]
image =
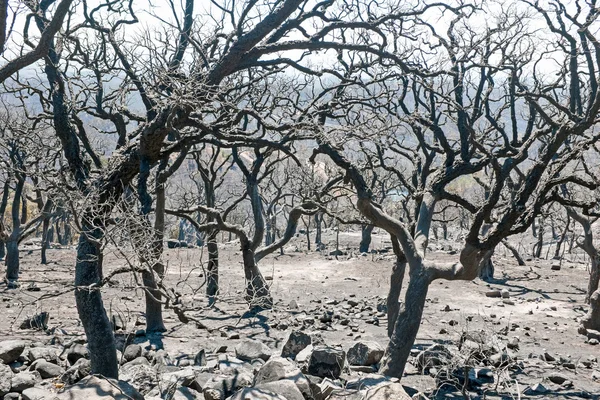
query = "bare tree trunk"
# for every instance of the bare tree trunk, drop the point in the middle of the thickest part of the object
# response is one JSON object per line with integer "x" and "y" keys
{"x": 212, "y": 276}
{"x": 318, "y": 232}
{"x": 407, "y": 324}
{"x": 12, "y": 260}
{"x": 537, "y": 248}
{"x": 592, "y": 319}
{"x": 563, "y": 237}
{"x": 307, "y": 225}
{"x": 154, "y": 317}
{"x": 365, "y": 241}
{"x": 98, "y": 329}
{"x": 2, "y": 250}
{"x": 594, "y": 281}
{"x": 486, "y": 272}
{"x": 45, "y": 243}
{"x": 257, "y": 290}
{"x": 514, "y": 252}
{"x": 393, "y": 298}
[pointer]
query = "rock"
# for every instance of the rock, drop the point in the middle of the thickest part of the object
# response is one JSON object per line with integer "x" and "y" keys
{"x": 138, "y": 361}
{"x": 77, "y": 371}
{"x": 49, "y": 354}
{"x": 213, "y": 394}
{"x": 535, "y": 389}
{"x": 6, "y": 375}
{"x": 37, "y": 394}
{"x": 94, "y": 388}
{"x": 10, "y": 350}
{"x": 24, "y": 380}
{"x": 555, "y": 266}
{"x": 500, "y": 359}
{"x": 185, "y": 377}
{"x": 296, "y": 342}
{"x": 387, "y": 391}
{"x": 75, "y": 352}
{"x": 547, "y": 357}
{"x": 39, "y": 321}
{"x": 143, "y": 377}
{"x": 278, "y": 368}
{"x": 255, "y": 394}
{"x": 435, "y": 355}
{"x": 326, "y": 362}
{"x": 47, "y": 369}
{"x": 249, "y": 350}
{"x": 293, "y": 305}
{"x": 132, "y": 352}
{"x": 365, "y": 353}
{"x": 304, "y": 355}
{"x": 186, "y": 393}
{"x": 559, "y": 379}
{"x": 200, "y": 358}
{"x": 285, "y": 388}
{"x": 228, "y": 385}
{"x": 493, "y": 293}
{"x": 505, "y": 293}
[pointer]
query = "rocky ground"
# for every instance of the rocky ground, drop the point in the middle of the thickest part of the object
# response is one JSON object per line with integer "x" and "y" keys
{"x": 514, "y": 338}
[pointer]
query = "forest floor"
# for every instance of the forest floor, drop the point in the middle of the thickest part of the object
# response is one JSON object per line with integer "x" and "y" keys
{"x": 539, "y": 317}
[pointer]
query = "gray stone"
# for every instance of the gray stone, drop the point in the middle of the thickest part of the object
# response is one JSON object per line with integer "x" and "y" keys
{"x": 559, "y": 379}
{"x": 249, "y": 350}
{"x": 94, "y": 388}
{"x": 200, "y": 358}
{"x": 37, "y": 394}
{"x": 77, "y": 371}
{"x": 132, "y": 352}
{"x": 387, "y": 391}
{"x": 12, "y": 396}
{"x": 255, "y": 394}
{"x": 285, "y": 388}
{"x": 433, "y": 356}
{"x": 278, "y": 368}
{"x": 49, "y": 354}
{"x": 47, "y": 369}
{"x": 326, "y": 362}
{"x": 228, "y": 385}
{"x": 6, "y": 375}
{"x": 10, "y": 350}
{"x": 24, "y": 380}
{"x": 75, "y": 352}
{"x": 535, "y": 389}
{"x": 140, "y": 376}
{"x": 365, "y": 353}
{"x": 296, "y": 342}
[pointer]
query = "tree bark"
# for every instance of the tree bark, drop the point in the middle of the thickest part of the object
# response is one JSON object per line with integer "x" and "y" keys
{"x": 393, "y": 298}
{"x": 514, "y": 252}
{"x": 365, "y": 241}
{"x": 12, "y": 259}
{"x": 407, "y": 324}
{"x": 45, "y": 243}
{"x": 97, "y": 326}
{"x": 212, "y": 278}
{"x": 486, "y": 273}
{"x": 258, "y": 294}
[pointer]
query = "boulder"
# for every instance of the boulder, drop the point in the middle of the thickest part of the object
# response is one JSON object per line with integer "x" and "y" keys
{"x": 77, "y": 371}
{"x": 284, "y": 388}
{"x": 140, "y": 376}
{"x": 387, "y": 391}
{"x": 37, "y": 394}
{"x": 296, "y": 342}
{"x": 95, "y": 388}
{"x": 278, "y": 368}
{"x": 6, "y": 375}
{"x": 433, "y": 356}
{"x": 326, "y": 362}
{"x": 24, "y": 380}
{"x": 75, "y": 352}
{"x": 365, "y": 353}
{"x": 10, "y": 350}
{"x": 47, "y": 369}
{"x": 132, "y": 352}
{"x": 249, "y": 350}
{"x": 49, "y": 354}
{"x": 255, "y": 394}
